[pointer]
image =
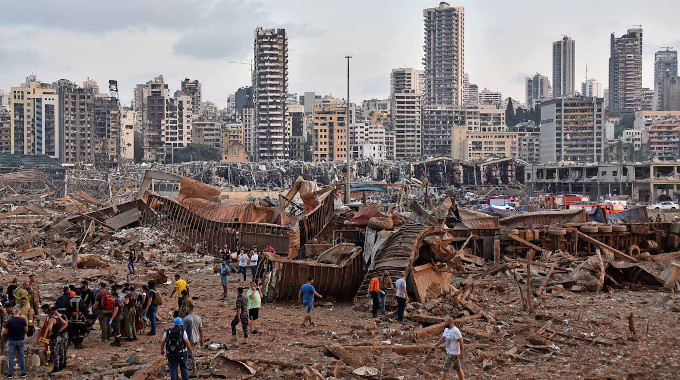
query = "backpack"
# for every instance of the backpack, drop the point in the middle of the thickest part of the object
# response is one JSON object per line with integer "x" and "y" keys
{"x": 106, "y": 301}
{"x": 157, "y": 301}
{"x": 174, "y": 341}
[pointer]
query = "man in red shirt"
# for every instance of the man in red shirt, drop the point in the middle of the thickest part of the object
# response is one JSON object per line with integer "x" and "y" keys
{"x": 375, "y": 292}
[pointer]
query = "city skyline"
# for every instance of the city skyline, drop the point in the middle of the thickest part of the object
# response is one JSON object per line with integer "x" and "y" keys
{"x": 132, "y": 42}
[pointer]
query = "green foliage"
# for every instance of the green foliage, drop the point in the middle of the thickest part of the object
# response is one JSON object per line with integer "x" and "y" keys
{"x": 626, "y": 122}
{"x": 522, "y": 115}
{"x": 197, "y": 152}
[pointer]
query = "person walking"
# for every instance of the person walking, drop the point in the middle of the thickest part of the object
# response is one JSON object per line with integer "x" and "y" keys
{"x": 385, "y": 285}
{"x": 253, "y": 263}
{"x": 306, "y": 297}
{"x": 153, "y": 301}
{"x": 15, "y": 329}
{"x": 254, "y": 303}
{"x": 194, "y": 328}
{"x": 132, "y": 257}
{"x": 174, "y": 347}
{"x": 402, "y": 296}
{"x": 241, "y": 314}
{"x": 242, "y": 263}
{"x": 375, "y": 292}
{"x": 180, "y": 285}
{"x": 224, "y": 277}
{"x": 454, "y": 349}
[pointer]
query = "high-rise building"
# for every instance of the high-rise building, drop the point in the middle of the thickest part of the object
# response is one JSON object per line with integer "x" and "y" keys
{"x": 249, "y": 130}
{"x": 270, "y": 92}
{"x": 670, "y": 94}
{"x": 150, "y": 101}
{"x": 405, "y": 79}
{"x": 107, "y": 128}
{"x": 662, "y": 132}
{"x": 192, "y": 88}
{"x": 590, "y": 88}
{"x": 444, "y": 58}
{"x": 77, "y": 122}
{"x": 625, "y": 72}
{"x": 34, "y": 120}
{"x": 407, "y": 122}
{"x": 243, "y": 97}
{"x": 5, "y": 131}
{"x": 537, "y": 89}
{"x": 298, "y": 131}
{"x": 563, "y": 67}
{"x": 438, "y": 122}
{"x": 127, "y": 135}
{"x": 329, "y": 133}
{"x": 572, "y": 130}
{"x": 665, "y": 66}
{"x": 647, "y": 99}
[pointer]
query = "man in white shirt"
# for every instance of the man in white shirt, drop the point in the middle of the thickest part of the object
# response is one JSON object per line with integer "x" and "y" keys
{"x": 254, "y": 259}
{"x": 242, "y": 263}
{"x": 402, "y": 296}
{"x": 454, "y": 349}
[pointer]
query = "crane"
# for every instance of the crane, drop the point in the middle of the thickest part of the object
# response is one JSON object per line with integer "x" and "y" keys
{"x": 249, "y": 63}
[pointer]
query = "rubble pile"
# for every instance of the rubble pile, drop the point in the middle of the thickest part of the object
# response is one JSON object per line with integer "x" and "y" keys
{"x": 536, "y": 294}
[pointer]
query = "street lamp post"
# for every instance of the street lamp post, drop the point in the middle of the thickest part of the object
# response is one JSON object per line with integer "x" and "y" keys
{"x": 347, "y": 122}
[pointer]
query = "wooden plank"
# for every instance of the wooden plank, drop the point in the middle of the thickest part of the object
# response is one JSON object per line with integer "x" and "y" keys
{"x": 604, "y": 246}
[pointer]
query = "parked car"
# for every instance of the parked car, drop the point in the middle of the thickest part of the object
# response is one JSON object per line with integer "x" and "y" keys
{"x": 666, "y": 205}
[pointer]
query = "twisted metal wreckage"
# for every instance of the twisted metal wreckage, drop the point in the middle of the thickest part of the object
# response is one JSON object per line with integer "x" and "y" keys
{"x": 315, "y": 234}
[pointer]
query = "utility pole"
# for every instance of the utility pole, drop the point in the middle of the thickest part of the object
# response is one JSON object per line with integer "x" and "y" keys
{"x": 347, "y": 190}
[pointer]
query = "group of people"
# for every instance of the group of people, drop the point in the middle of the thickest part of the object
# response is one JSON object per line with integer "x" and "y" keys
{"x": 378, "y": 288}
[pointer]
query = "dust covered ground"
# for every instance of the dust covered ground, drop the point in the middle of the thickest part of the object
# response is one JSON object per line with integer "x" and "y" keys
{"x": 569, "y": 335}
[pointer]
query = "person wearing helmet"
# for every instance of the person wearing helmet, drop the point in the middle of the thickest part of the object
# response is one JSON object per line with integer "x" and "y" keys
{"x": 176, "y": 348}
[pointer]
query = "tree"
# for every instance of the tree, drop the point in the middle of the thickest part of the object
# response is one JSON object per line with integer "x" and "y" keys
{"x": 510, "y": 114}
{"x": 197, "y": 152}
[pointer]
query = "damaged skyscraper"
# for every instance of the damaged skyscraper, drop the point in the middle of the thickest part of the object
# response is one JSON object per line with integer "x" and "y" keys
{"x": 270, "y": 91}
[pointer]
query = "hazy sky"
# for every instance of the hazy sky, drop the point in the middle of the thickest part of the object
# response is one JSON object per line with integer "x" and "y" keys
{"x": 135, "y": 40}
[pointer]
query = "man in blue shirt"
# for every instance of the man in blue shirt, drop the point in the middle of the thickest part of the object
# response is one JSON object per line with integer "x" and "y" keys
{"x": 306, "y": 296}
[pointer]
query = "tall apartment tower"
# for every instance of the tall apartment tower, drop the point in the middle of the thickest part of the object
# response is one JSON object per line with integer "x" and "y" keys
{"x": 406, "y": 100}
{"x": 444, "y": 59}
{"x": 34, "y": 112}
{"x": 77, "y": 122}
{"x": 665, "y": 66}
{"x": 192, "y": 88}
{"x": 563, "y": 67}
{"x": 537, "y": 90}
{"x": 270, "y": 92}
{"x": 625, "y": 72}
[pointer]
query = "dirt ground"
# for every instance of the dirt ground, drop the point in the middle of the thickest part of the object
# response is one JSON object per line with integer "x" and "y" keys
{"x": 569, "y": 335}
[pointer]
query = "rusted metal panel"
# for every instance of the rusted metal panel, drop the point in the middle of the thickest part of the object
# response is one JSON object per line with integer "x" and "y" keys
{"x": 395, "y": 256}
{"x": 339, "y": 281}
{"x": 544, "y": 218}
{"x": 312, "y": 223}
{"x": 429, "y": 282}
